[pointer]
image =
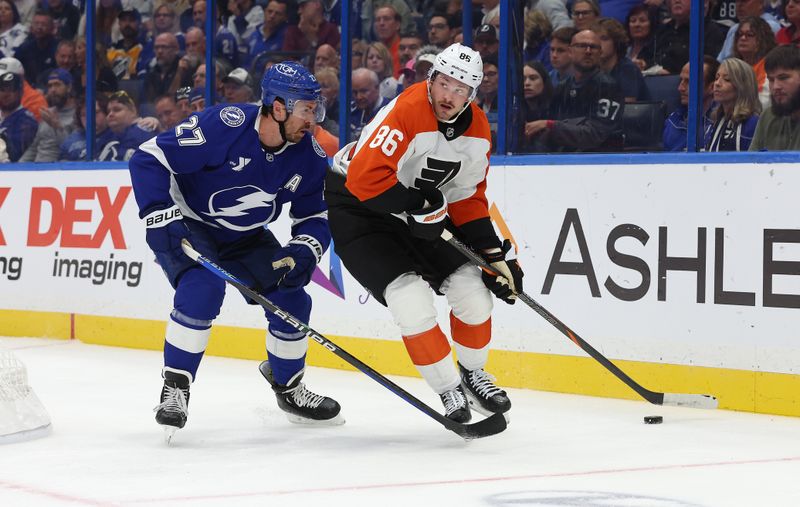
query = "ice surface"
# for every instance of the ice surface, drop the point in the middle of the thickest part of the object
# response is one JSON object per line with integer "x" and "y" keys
{"x": 238, "y": 449}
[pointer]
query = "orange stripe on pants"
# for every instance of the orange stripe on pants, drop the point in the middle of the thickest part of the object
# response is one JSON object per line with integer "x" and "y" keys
{"x": 473, "y": 336}
{"x": 428, "y": 347}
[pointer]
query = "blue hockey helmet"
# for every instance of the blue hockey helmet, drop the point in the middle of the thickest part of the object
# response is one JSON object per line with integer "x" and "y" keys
{"x": 292, "y": 83}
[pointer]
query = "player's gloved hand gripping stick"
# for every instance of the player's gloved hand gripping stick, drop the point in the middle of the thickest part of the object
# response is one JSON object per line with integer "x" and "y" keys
{"x": 489, "y": 426}
{"x": 656, "y": 398}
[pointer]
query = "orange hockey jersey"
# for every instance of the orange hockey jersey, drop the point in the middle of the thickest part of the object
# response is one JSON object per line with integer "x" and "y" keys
{"x": 405, "y": 143}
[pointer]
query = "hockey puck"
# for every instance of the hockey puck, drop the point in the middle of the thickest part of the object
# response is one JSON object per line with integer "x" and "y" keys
{"x": 653, "y": 419}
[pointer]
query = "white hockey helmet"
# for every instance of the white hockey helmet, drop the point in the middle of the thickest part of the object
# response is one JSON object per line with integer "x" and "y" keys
{"x": 462, "y": 63}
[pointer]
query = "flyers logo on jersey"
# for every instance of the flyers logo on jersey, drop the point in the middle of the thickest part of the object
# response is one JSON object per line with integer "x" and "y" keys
{"x": 437, "y": 173}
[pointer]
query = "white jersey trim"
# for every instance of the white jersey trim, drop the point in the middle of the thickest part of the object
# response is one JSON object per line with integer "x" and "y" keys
{"x": 152, "y": 148}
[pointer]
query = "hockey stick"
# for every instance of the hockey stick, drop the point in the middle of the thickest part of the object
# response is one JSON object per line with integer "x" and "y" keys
{"x": 489, "y": 426}
{"x": 656, "y": 398}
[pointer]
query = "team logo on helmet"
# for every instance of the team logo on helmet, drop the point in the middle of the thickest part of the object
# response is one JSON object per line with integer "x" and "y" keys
{"x": 286, "y": 70}
{"x": 232, "y": 116}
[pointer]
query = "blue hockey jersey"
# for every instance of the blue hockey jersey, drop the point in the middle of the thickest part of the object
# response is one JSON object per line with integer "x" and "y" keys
{"x": 214, "y": 168}
{"x": 18, "y": 129}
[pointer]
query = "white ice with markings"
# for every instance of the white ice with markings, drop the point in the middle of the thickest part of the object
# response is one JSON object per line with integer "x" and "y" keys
{"x": 238, "y": 449}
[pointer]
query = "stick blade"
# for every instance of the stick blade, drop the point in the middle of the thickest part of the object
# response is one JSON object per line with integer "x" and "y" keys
{"x": 490, "y": 426}
{"x": 691, "y": 400}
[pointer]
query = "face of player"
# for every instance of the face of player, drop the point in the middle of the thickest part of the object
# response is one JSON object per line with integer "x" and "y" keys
{"x": 448, "y": 96}
{"x": 300, "y": 121}
{"x": 560, "y": 56}
{"x": 724, "y": 90}
{"x": 639, "y": 26}
{"x": 533, "y": 85}
{"x": 120, "y": 116}
{"x": 784, "y": 88}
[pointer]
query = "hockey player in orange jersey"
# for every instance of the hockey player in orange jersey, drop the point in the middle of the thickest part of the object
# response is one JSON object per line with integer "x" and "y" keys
{"x": 422, "y": 159}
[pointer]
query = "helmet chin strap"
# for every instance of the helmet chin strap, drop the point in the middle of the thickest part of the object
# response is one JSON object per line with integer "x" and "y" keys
{"x": 281, "y": 126}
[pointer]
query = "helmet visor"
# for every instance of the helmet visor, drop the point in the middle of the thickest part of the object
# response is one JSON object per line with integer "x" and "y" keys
{"x": 309, "y": 110}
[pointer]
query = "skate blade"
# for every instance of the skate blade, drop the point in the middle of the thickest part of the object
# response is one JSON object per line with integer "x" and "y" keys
{"x": 477, "y": 407}
{"x": 305, "y": 421}
{"x": 169, "y": 432}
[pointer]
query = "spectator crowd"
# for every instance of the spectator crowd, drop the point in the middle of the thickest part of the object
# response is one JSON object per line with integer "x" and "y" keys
{"x": 596, "y": 75}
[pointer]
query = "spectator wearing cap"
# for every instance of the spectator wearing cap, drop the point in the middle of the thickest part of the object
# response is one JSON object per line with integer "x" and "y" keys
{"x": 74, "y": 146}
{"x": 270, "y": 34}
{"x": 12, "y": 32}
{"x": 163, "y": 77}
{"x": 65, "y": 16}
{"x": 125, "y": 53}
{"x": 366, "y": 100}
{"x": 17, "y": 125}
{"x": 238, "y": 86}
{"x": 245, "y": 19}
{"x": 312, "y": 30}
{"x": 424, "y": 63}
{"x": 485, "y": 41}
{"x": 387, "y": 31}
{"x": 127, "y": 134}
{"x": 58, "y": 120}
{"x": 197, "y": 100}
{"x": 38, "y": 52}
{"x": 167, "y": 113}
{"x": 182, "y": 102}
{"x": 32, "y": 99}
{"x": 440, "y": 30}
{"x": 225, "y": 45}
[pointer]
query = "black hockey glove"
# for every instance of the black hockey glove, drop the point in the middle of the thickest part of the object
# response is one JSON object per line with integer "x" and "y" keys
{"x": 165, "y": 229}
{"x": 508, "y": 283}
{"x": 428, "y": 221}
{"x": 295, "y": 263}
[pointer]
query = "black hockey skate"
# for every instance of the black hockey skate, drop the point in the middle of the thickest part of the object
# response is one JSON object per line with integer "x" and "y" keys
{"x": 173, "y": 410}
{"x": 301, "y": 405}
{"x": 483, "y": 395}
{"x": 455, "y": 403}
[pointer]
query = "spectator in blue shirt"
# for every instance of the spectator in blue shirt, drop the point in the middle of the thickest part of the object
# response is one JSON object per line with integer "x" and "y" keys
{"x": 269, "y": 35}
{"x": 675, "y": 127}
{"x": 127, "y": 134}
{"x": 17, "y": 125}
{"x": 74, "y": 146}
{"x": 38, "y": 52}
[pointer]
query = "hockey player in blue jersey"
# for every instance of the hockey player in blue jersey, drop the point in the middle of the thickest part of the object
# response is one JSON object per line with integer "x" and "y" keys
{"x": 218, "y": 179}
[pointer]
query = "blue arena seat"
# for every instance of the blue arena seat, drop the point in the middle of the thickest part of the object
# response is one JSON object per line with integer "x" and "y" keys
{"x": 665, "y": 89}
{"x": 643, "y": 124}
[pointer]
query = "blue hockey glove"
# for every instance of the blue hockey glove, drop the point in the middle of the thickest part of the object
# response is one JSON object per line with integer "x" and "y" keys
{"x": 165, "y": 229}
{"x": 298, "y": 258}
{"x": 428, "y": 222}
{"x": 508, "y": 283}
